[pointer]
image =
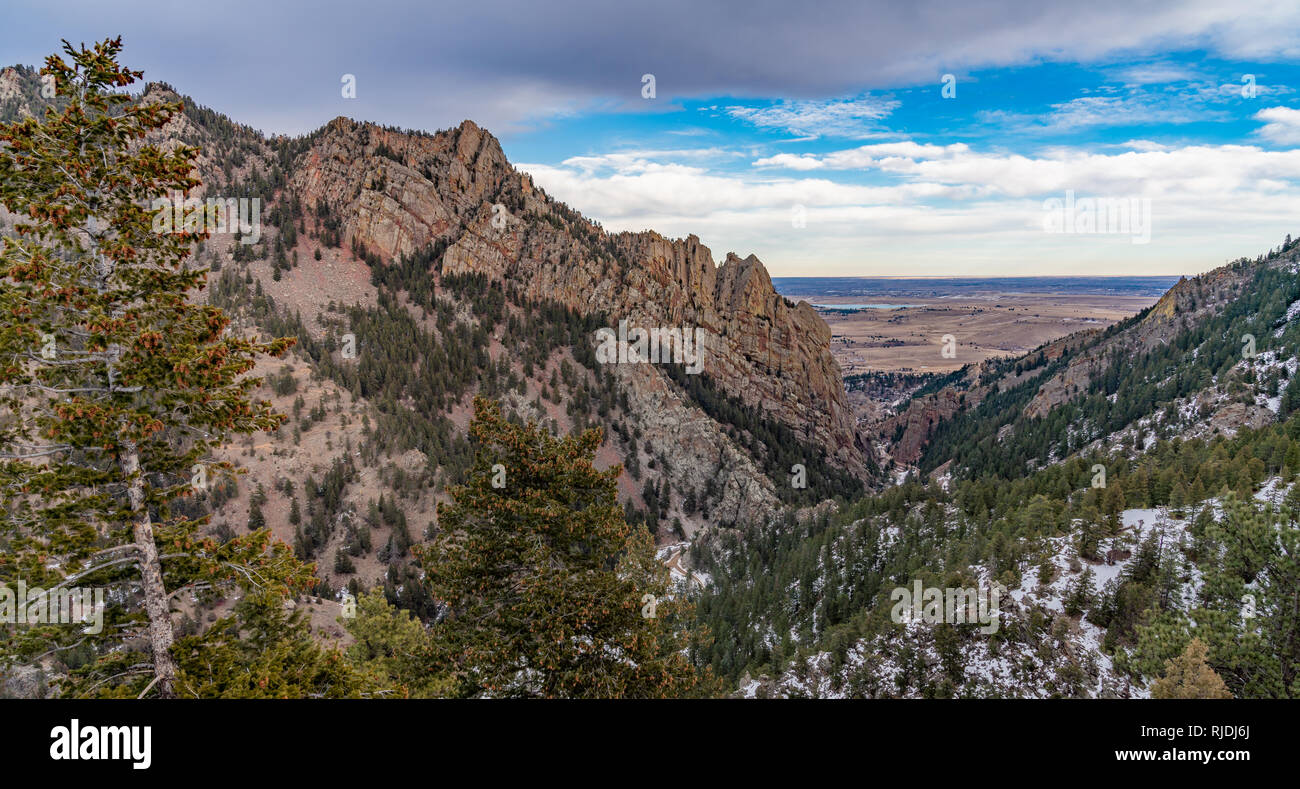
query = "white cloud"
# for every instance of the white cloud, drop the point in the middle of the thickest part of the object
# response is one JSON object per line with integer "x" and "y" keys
{"x": 632, "y": 161}
{"x": 948, "y": 209}
{"x": 1134, "y": 109}
{"x": 1282, "y": 127}
{"x": 1154, "y": 74}
{"x": 641, "y": 194}
{"x": 1147, "y": 168}
{"x": 790, "y": 161}
{"x": 1233, "y": 90}
{"x": 853, "y": 118}
{"x": 1144, "y": 146}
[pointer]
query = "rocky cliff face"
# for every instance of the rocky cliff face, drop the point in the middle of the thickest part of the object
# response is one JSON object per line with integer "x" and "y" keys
{"x": 353, "y": 185}
{"x": 395, "y": 193}
{"x": 914, "y": 424}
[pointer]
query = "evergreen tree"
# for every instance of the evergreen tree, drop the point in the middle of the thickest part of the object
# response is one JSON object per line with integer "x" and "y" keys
{"x": 1188, "y": 676}
{"x": 550, "y": 592}
{"x": 1081, "y": 593}
{"x": 1248, "y": 608}
{"x": 264, "y": 651}
{"x": 256, "y": 520}
{"x": 1291, "y": 396}
{"x": 114, "y": 382}
{"x": 393, "y": 646}
{"x": 1179, "y": 495}
{"x": 1090, "y": 533}
{"x": 1113, "y": 504}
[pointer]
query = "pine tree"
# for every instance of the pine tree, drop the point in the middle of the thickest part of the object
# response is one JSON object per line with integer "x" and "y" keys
{"x": 390, "y": 644}
{"x": 1178, "y": 495}
{"x": 1081, "y": 593}
{"x": 1196, "y": 494}
{"x": 264, "y": 651}
{"x": 115, "y": 384}
{"x": 550, "y": 592}
{"x": 1189, "y": 676}
{"x": 1089, "y": 533}
{"x": 1248, "y": 607}
{"x": 1113, "y": 504}
{"x": 343, "y": 563}
{"x": 1290, "y": 396}
{"x": 256, "y": 519}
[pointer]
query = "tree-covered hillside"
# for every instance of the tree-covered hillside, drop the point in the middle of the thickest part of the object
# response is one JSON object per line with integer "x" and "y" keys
{"x": 1044, "y": 509}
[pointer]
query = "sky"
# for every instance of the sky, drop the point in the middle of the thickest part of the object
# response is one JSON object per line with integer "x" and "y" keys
{"x": 827, "y": 138}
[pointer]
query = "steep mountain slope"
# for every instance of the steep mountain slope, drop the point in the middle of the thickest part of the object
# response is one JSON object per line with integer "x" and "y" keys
{"x": 1060, "y": 635}
{"x": 1125, "y": 489}
{"x": 420, "y": 269}
{"x": 396, "y": 193}
{"x": 1201, "y": 342}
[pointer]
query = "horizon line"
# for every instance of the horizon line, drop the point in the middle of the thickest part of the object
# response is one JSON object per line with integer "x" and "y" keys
{"x": 985, "y": 276}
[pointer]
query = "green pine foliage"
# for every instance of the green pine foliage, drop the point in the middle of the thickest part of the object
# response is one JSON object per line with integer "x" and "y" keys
{"x": 1130, "y": 386}
{"x": 546, "y": 585}
{"x": 115, "y": 384}
{"x": 394, "y": 648}
{"x": 797, "y": 587}
{"x": 264, "y": 651}
{"x": 1248, "y": 611}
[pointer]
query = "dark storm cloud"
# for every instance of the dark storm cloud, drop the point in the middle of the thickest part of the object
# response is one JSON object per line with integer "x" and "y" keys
{"x": 429, "y": 65}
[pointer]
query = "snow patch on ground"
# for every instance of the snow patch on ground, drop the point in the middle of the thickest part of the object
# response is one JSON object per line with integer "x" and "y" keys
{"x": 1067, "y": 660}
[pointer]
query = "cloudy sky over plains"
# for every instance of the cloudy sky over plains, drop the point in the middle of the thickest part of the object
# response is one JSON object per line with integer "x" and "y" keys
{"x": 815, "y": 135}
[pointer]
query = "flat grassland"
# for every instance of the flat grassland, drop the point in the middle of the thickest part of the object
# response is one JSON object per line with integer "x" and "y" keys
{"x": 906, "y": 325}
{"x": 913, "y": 338}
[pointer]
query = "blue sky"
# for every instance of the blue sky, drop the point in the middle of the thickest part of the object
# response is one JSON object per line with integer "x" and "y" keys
{"x": 815, "y": 136}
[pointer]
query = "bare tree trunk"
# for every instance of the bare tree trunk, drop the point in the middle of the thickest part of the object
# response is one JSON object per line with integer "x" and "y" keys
{"x": 156, "y": 604}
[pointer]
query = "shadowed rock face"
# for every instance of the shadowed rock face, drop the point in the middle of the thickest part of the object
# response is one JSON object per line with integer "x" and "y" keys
{"x": 918, "y": 422}
{"x": 396, "y": 193}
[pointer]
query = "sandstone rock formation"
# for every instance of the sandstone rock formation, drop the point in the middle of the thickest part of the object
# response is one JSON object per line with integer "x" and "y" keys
{"x": 396, "y": 193}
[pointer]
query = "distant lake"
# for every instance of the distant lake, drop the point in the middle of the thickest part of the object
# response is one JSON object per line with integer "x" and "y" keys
{"x": 882, "y": 292}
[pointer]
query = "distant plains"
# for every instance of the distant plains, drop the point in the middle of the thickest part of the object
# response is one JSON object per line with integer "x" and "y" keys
{"x": 900, "y": 323}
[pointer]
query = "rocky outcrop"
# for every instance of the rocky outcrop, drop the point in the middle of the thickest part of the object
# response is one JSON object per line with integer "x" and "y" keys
{"x": 914, "y": 424}
{"x": 1234, "y": 416}
{"x": 375, "y": 181}
{"x": 395, "y": 193}
{"x": 23, "y": 682}
{"x": 698, "y": 448}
